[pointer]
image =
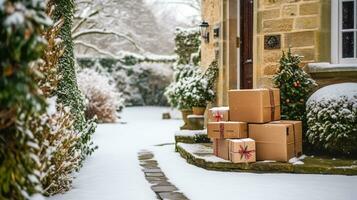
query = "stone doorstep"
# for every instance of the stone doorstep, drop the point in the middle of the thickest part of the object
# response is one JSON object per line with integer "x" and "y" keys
{"x": 311, "y": 166}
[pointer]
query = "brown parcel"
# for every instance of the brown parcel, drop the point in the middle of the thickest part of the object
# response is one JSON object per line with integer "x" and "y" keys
{"x": 242, "y": 150}
{"x": 255, "y": 105}
{"x": 276, "y": 141}
{"x": 218, "y": 114}
{"x": 220, "y": 148}
{"x": 220, "y": 130}
{"x": 297, "y": 125}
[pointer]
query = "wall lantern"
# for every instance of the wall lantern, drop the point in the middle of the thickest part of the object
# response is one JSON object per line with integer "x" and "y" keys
{"x": 204, "y": 31}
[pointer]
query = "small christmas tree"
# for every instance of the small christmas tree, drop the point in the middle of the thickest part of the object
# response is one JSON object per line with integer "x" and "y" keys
{"x": 295, "y": 86}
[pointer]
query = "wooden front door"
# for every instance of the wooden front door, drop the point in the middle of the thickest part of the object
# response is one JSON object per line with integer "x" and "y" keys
{"x": 246, "y": 54}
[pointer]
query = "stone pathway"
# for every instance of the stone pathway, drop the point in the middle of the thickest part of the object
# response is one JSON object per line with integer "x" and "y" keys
{"x": 160, "y": 184}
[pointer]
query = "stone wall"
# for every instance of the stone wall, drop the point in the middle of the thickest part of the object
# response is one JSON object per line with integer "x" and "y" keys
{"x": 302, "y": 25}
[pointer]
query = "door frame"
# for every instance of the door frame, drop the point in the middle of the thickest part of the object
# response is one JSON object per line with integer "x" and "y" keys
{"x": 253, "y": 44}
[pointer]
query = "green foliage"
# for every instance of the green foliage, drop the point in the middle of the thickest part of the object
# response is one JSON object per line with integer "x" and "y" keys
{"x": 141, "y": 84}
{"x": 295, "y": 87}
{"x": 21, "y": 24}
{"x": 192, "y": 88}
{"x": 68, "y": 92}
{"x": 332, "y": 119}
{"x": 187, "y": 46}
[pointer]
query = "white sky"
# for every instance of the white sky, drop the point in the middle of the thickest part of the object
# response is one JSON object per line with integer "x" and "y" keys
{"x": 181, "y": 12}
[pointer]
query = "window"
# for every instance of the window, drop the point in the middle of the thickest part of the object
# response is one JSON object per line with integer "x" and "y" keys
{"x": 347, "y": 31}
{"x": 344, "y": 31}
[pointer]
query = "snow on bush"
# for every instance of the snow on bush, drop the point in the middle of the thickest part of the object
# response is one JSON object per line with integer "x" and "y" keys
{"x": 141, "y": 82}
{"x": 103, "y": 99}
{"x": 192, "y": 87}
{"x": 332, "y": 118}
{"x": 59, "y": 156}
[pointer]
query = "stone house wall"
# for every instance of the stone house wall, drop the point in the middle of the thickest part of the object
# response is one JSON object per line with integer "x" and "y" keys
{"x": 303, "y": 25}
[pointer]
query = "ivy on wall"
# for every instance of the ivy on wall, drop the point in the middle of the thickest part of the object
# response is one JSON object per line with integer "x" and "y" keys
{"x": 68, "y": 92}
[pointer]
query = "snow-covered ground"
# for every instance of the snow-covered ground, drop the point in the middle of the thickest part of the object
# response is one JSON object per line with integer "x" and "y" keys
{"x": 113, "y": 172}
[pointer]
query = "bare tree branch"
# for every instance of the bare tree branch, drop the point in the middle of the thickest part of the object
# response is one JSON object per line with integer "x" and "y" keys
{"x": 100, "y": 31}
{"x": 84, "y": 19}
{"x": 95, "y": 48}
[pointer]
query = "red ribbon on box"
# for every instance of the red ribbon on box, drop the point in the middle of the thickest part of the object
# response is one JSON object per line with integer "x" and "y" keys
{"x": 218, "y": 116}
{"x": 244, "y": 153}
{"x": 221, "y": 130}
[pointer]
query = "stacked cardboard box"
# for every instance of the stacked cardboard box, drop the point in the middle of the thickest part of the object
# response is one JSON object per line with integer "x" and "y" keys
{"x": 251, "y": 129}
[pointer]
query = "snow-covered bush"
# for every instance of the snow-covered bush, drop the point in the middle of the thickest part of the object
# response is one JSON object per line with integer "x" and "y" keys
{"x": 141, "y": 84}
{"x": 58, "y": 154}
{"x": 21, "y": 25}
{"x": 103, "y": 99}
{"x": 175, "y": 92}
{"x": 332, "y": 118}
{"x": 151, "y": 80}
{"x": 193, "y": 87}
{"x": 187, "y": 46}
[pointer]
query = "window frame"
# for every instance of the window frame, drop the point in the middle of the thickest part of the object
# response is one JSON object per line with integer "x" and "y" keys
{"x": 336, "y": 32}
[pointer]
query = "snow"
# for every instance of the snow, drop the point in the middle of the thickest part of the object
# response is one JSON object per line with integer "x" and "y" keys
{"x": 220, "y": 109}
{"x": 334, "y": 91}
{"x": 198, "y": 183}
{"x": 190, "y": 132}
{"x": 113, "y": 172}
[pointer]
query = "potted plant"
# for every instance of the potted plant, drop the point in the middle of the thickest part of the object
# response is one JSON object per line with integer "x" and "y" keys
{"x": 197, "y": 93}
{"x": 176, "y": 97}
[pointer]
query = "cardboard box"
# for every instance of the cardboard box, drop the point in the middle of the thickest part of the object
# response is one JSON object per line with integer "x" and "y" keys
{"x": 254, "y": 106}
{"x": 221, "y": 148}
{"x": 221, "y": 130}
{"x": 276, "y": 141}
{"x": 242, "y": 150}
{"x": 218, "y": 114}
{"x": 297, "y": 127}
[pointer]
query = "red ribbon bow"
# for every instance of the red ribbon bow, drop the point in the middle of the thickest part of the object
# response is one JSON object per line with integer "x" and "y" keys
{"x": 245, "y": 153}
{"x": 218, "y": 116}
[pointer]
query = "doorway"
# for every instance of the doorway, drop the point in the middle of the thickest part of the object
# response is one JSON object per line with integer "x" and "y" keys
{"x": 245, "y": 31}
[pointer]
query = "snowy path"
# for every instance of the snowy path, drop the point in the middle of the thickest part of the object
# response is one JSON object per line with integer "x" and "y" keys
{"x": 113, "y": 172}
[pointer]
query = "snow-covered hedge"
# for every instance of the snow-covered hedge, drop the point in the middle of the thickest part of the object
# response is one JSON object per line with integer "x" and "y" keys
{"x": 187, "y": 45}
{"x": 141, "y": 84}
{"x": 332, "y": 118}
{"x": 192, "y": 87}
{"x": 59, "y": 156}
{"x": 103, "y": 99}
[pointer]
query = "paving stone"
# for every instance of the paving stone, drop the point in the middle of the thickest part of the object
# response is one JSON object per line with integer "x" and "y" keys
{"x": 163, "y": 183}
{"x": 149, "y": 166}
{"x": 154, "y": 162}
{"x": 145, "y": 156}
{"x": 159, "y": 189}
{"x": 152, "y": 170}
{"x": 155, "y": 174}
{"x": 156, "y": 180}
{"x": 172, "y": 196}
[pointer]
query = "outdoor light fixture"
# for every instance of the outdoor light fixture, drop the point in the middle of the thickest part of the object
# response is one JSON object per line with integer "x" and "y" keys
{"x": 204, "y": 31}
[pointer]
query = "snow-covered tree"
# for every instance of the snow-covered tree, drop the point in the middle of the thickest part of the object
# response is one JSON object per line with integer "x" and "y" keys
{"x": 68, "y": 92}
{"x": 21, "y": 25}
